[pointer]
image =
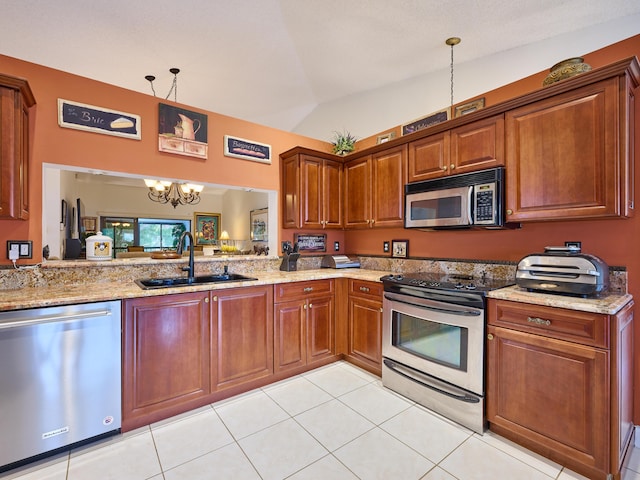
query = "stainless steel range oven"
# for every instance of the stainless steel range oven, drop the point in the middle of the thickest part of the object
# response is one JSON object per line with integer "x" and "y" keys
{"x": 433, "y": 341}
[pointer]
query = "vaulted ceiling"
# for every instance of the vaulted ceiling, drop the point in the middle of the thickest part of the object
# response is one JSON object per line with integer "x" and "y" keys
{"x": 273, "y": 61}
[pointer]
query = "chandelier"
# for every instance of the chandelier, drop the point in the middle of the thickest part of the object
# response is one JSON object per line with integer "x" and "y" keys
{"x": 176, "y": 194}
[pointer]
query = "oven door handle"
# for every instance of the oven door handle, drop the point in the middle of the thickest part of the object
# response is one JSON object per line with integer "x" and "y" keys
{"x": 465, "y": 397}
{"x": 421, "y": 304}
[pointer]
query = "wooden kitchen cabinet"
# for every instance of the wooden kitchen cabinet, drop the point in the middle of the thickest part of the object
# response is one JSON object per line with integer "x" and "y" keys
{"x": 567, "y": 155}
{"x": 165, "y": 356}
{"x": 241, "y": 336}
{"x": 304, "y": 324}
{"x": 471, "y": 147}
{"x": 365, "y": 325}
{"x": 16, "y": 99}
{"x": 374, "y": 189}
{"x": 559, "y": 383}
{"x": 311, "y": 190}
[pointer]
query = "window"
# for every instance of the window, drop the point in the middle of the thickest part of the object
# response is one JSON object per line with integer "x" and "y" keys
{"x": 150, "y": 233}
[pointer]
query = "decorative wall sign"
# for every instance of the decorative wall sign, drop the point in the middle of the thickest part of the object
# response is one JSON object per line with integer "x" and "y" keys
{"x": 259, "y": 224}
{"x": 422, "y": 123}
{"x": 89, "y": 224}
{"x": 97, "y": 119}
{"x": 246, "y": 149}
{"x": 311, "y": 243}
{"x": 468, "y": 107}
{"x": 206, "y": 228}
{"x": 385, "y": 137}
{"x": 182, "y": 131}
{"x": 400, "y": 248}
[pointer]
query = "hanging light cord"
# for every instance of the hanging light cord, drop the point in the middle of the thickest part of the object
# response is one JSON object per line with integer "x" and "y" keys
{"x": 174, "y": 84}
{"x": 452, "y": 41}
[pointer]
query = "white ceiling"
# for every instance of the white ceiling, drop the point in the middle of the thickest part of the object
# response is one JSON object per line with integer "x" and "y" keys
{"x": 273, "y": 61}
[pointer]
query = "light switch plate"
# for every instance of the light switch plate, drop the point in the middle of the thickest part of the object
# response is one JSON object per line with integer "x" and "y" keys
{"x": 385, "y": 247}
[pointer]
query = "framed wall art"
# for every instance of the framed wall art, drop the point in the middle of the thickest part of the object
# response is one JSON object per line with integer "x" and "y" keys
{"x": 90, "y": 118}
{"x": 206, "y": 228}
{"x": 468, "y": 107}
{"x": 259, "y": 224}
{"x": 182, "y": 131}
{"x": 246, "y": 149}
{"x": 400, "y": 248}
{"x": 311, "y": 243}
{"x": 424, "y": 122}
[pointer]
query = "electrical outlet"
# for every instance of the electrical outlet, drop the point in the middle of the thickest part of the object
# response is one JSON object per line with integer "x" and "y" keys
{"x": 17, "y": 249}
{"x": 385, "y": 247}
{"x": 336, "y": 246}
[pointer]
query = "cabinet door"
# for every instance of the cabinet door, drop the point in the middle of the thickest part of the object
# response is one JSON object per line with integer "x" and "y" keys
{"x": 552, "y": 393}
{"x": 320, "y": 328}
{"x": 241, "y": 335}
{"x": 165, "y": 355}
{"x": 429, "y": 157}
{"x": 332, "y": 195}
{"x": 562, "y": 158}
{"x": 357, "y": 191}
{"x": 478, "y": 145}
{"x": 290, "y": 186}
{"x": 365, "y": 333}
{"x": 388, "y": 176}
{"x": 311, "y": 191}
{"x": 289, "y": 333}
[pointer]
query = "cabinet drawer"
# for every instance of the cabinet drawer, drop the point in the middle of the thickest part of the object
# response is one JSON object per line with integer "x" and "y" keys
{"x": 366, "y": 289}
{"x": 576, "y": 326}
{"x": 292, "y": 291}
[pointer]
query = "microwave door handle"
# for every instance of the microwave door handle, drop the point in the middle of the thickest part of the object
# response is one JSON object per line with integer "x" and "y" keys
{"x": 470, "y": 206}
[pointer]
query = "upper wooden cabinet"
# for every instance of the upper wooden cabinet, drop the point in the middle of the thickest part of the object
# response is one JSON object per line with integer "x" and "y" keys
{"x": 311, "y": 191}
{"x": 570, "y": 156}
{"x": 374, "y": 189}
{"x": 15, "y": 100}
{"x": 474, "y": 146}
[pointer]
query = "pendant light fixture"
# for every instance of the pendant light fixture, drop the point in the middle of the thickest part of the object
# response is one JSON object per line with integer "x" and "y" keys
{"x": 162, "y": 191}
{"x": 453, "y": 41}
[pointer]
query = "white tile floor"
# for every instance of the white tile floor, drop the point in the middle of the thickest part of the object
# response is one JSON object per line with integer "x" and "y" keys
{"x": 333, "y": 423}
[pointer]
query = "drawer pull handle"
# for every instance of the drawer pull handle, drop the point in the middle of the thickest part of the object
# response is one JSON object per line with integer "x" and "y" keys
{"x": 307, "y": 289}
{"x": 364, "y": 289}
{"x": 538, "y": 321}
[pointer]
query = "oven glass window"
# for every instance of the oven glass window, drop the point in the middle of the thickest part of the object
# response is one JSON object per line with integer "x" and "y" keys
{"x": 440, "y": 343}
{"x": 433, "y": 208}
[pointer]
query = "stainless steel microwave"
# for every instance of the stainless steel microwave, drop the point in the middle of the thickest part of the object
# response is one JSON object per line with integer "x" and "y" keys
{"x": 467, "y": 200}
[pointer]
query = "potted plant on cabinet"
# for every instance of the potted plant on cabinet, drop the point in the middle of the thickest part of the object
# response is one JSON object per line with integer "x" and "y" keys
{"x": 343, "y": 143}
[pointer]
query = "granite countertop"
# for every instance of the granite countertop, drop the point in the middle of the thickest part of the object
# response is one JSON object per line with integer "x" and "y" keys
{"x": 33, "y": 297}
{"x": 86, "y": 292}
{"x": 607, "y": 303}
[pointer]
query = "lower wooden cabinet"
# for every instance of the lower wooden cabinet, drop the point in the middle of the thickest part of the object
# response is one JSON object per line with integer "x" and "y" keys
{"x": 364, "y": 344}
{"x": 241, "y": 336}
{"x": 304, "y": 324}
{"x": 165, "y": 365}
{"x": 559, "y": 383}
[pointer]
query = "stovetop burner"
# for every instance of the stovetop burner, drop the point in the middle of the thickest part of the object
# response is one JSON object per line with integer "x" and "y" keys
{"x": 454, "y": 282}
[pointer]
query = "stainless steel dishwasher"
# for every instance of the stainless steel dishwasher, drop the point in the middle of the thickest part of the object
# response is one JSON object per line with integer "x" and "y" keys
{"x": 59, "y": 378}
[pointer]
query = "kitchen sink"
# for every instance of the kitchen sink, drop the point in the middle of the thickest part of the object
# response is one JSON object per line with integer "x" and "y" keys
{"x": 149, "y": 283}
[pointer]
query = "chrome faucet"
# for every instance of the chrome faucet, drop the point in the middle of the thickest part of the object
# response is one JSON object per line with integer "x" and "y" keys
{"x": 190, "y": 268}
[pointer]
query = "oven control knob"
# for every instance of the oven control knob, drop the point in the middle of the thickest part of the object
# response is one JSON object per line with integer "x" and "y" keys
{"x": 459, "y": 286}
{"x": 471, "y": 286}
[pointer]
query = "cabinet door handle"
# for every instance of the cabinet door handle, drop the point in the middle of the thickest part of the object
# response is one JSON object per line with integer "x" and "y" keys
{"x": 452, "y": 166}
{"x": 364, "y": 289}
{"x": 206, "y": 300}
{"x": 311, "y": 305}
{"x": 373, "y": 221}
{"x": 490, "y": 336}
{"x": 215, "y": 298}
{"x": 538, "y": 321}
{"x": 444, "y": 167}
{"x": 307, "y": 289}
{"x": 304, "y": 307}
{"x": 509, "y": 212}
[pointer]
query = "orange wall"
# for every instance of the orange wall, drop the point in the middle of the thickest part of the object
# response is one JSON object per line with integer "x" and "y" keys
{"x": 53, "y": 144}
